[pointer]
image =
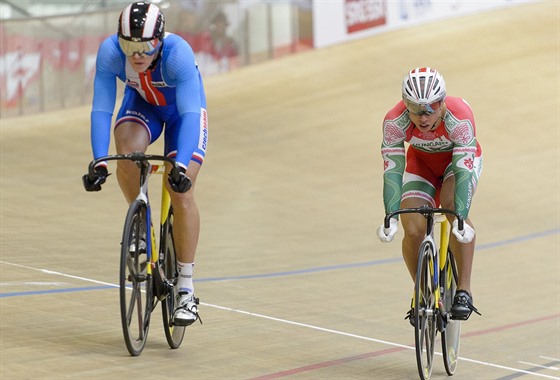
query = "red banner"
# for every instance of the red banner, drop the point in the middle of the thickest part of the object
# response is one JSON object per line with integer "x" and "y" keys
{"x": 364, "y": 14}
{"x": 22, "y": 60}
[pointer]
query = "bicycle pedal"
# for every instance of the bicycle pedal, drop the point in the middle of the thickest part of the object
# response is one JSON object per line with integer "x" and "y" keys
{"x": 460, "y": 317}
{"x": 137, "y": 277}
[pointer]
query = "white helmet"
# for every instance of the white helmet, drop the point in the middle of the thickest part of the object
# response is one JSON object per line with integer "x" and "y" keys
{"x": 423, "y": 86}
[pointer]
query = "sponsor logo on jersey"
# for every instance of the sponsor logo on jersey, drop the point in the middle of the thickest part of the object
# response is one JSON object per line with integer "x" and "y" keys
{"x": 132, "y": 83}
{"x": 436, "y": 145}
{"x": 203, "y": 140}
{"x": 136, "y": 113}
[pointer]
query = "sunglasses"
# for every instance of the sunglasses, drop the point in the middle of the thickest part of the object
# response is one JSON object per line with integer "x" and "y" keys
{"x": 141, "y": 48}
{"x": 422, "y": 109}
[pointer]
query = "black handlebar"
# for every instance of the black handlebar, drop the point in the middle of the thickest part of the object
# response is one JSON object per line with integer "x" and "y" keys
{"x": 139, "y": 158}
{"x": 426, "y": 211}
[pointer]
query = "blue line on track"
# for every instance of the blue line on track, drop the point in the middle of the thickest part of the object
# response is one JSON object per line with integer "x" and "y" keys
{"x": 374, "y": 262}
{"x": 66, "y": 290}
{"x": 518, "y": 239}
{"x": 299, "y": 271}
{"x": 302, "y": 271}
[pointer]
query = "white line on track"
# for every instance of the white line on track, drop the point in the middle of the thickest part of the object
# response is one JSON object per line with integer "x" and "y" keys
{"x": 549, "y": 358}
{"x": 60, "y": 274}
{"x": 540, "y": 366}
{"x": 487, "y": 364}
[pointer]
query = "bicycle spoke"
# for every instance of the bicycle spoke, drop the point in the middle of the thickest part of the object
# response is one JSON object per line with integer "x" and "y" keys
{"x": 139, "y": 313}
{"x": 132, "y": 302}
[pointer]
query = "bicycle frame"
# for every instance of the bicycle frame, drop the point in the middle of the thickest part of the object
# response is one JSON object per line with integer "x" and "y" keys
{"x": 143, "y": 284}
{"x": 433, "y": 216}
{"x": 441, "y": 250}
{"x": 431, "y": 292}
{"x": 146, "y": 170}
{"x": 165, "y": 208}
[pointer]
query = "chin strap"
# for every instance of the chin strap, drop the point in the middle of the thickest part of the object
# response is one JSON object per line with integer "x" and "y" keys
{"x": 434, "y": 126}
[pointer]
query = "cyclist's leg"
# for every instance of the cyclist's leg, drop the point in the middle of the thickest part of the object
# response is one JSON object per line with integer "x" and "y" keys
{"x": 137, "y": 126}
{"x": 419, "y": 188}
{"x": 129, "y": 137}
{"x": 186, "y": 227}
{"x": 414, "y": 231}
{"x": 185, "y": 210}
{"x": 464, "y": 253}
{"x": 186, "y": 218}
{"x": 186, "y": 222}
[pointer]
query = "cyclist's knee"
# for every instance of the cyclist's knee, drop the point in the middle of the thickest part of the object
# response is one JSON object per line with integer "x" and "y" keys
{"x": 182, "y": 200}
{"x": 131, "y": 137}
{"x": 414, "y": 228}
{"x": 414, "y": 234}
{"x": 127, "y": 173}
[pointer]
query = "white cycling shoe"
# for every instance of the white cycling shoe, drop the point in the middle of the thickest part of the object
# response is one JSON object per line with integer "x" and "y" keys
{"x": 186, "y": 312}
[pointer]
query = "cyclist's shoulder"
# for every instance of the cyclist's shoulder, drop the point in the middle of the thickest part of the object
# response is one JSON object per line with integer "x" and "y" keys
{"x": 110, "y": 57}
{"x": 109, "y": 44}
{"x": 459, "y": 122}
{"x": 398, "y": 111}
{"x": 459, "y": 108}
{"x": 175, "y": 44}
{"x": 396, "y": 126}
{"x": 178, "y": 59}
{"x": 397, "y": 117}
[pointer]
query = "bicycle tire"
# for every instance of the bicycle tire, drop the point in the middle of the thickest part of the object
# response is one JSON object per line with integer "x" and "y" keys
{"x": 424, "y": 310}
{"x": 168, "y": 261}
{"x": 136, "y": 285}
{"x": 451, "y": 335}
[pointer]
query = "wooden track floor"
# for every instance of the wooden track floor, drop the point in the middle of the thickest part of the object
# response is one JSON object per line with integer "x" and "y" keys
{"x": 294, "y": 283}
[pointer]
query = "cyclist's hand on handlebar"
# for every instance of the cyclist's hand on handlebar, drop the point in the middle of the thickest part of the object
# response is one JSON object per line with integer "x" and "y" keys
{"x": 179, "y": 181}
{"x": 387, "y": 234}
{"x": 93, "y": 183}
{"x": 463, "y": 236}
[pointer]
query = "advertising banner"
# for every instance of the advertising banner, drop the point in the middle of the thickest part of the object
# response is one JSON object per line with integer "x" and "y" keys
{"x": 364, "y": 14}
{"x": 338, "y": 21}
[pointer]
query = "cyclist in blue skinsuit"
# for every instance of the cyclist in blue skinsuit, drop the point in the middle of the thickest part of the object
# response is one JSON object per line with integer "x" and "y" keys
{"x": 164, "y": 93}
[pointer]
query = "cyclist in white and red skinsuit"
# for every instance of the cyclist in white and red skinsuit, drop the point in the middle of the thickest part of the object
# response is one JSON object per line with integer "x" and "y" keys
{"x": 443, "y": 165}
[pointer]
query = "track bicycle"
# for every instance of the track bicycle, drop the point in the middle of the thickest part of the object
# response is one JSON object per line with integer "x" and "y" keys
{"x": 434, "y": 290}
{"x": 147, "y": 275}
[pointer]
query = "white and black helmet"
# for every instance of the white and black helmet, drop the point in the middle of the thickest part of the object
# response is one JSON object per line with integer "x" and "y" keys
{"x": 141, "y": 28}
{"x": 423, "y": 85}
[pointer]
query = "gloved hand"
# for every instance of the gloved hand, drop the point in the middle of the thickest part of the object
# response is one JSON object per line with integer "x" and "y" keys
{"x": 180, "y": 183}
{"x": 387, "y": 234}
{"x": 93, "y": 183}
{"x": 466, "y": 235}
